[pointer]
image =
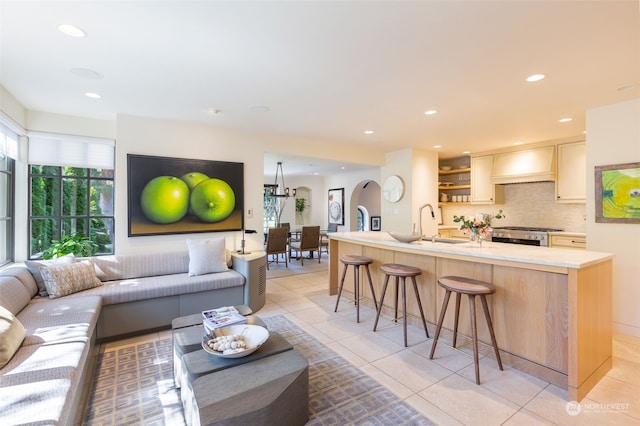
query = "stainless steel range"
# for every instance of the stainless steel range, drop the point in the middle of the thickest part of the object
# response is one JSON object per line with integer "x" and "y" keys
{"x": 523, "y": 235}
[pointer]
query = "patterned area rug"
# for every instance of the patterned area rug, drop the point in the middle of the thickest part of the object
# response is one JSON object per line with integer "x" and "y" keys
{"x": 277, "y": 270}
{"x": 134, "y": 385}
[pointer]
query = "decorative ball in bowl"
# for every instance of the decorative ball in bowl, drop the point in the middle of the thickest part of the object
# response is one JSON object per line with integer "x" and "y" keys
{"x": 405, "y": 238}
{"x": 235, "y": 341}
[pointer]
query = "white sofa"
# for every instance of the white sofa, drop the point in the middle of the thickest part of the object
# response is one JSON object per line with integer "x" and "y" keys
{"x": 47, "y": 380}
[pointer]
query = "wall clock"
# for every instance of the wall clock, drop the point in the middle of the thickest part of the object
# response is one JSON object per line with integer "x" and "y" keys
{"x": 393, "y": 189}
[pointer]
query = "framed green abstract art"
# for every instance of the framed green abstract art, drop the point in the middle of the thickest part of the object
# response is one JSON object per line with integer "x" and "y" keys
{"x": 618, "y": 193}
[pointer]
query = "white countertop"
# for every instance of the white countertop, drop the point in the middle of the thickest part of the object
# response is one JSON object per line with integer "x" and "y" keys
{"x": 560, "y": 257}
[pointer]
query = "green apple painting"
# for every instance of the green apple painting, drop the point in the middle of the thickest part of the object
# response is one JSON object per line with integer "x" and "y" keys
{"x": 175, "y": 195}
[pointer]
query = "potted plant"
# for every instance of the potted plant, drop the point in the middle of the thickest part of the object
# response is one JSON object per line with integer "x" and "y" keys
{"x": 301, "y": 204}
{"x": 78, "y": 245}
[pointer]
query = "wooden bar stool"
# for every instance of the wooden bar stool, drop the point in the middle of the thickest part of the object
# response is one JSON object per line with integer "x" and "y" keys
{"x": 471, "y": 288}
{"x": 356, "y": 262}
{"x": 401, "y": 273}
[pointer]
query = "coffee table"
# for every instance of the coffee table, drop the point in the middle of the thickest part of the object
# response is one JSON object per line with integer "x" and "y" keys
{"x": 269, "y": 386}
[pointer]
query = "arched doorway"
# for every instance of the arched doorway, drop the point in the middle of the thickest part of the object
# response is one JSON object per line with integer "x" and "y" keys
{"x": 366, "y": 203}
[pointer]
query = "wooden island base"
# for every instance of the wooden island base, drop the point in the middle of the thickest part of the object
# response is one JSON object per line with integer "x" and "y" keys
{"x": 551, "y": 312}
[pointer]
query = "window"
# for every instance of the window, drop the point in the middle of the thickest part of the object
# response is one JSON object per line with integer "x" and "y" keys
{"x": 72, "y": 199}
{"x": 8, "y": 151}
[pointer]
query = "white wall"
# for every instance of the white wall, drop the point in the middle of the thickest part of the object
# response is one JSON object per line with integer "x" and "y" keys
{"x": 613, "y": 137}
{"x": 420, "y": 187}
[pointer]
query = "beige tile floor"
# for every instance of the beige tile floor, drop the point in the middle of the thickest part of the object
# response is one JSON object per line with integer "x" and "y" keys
{"x": 444, "y": 389}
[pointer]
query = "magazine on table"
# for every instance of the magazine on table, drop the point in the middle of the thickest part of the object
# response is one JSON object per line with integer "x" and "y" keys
{"x": 221, "y": 317}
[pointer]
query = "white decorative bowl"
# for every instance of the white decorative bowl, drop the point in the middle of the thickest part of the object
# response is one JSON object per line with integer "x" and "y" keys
{"x": 254, "y": 337}
{"x": 405, "y": 238}
{"x": 445, "y": 168}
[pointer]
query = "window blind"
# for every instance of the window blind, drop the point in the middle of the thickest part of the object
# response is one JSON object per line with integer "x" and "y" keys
{"x": 68, "y": 150}
{"x": 8, "y": 142}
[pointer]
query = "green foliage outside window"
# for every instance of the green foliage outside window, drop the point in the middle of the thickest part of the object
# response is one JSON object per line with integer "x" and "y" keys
{"x": 70, "y": 204}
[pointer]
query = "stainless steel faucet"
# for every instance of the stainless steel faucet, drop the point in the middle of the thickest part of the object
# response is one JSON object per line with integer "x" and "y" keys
{"x": 433, "y": 215}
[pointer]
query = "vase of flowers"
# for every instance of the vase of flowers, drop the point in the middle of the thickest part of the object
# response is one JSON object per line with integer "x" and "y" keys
{"x": 479, "y": 227}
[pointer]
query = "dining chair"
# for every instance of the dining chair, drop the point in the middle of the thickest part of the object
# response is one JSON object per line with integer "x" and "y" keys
{"x": 309, "y": 241}
{"x": 324, "y": 236}
{"x": 277, "y": 240}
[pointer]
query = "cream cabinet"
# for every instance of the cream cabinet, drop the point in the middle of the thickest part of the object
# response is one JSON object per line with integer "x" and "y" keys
{"x": 568, "y": 241}
{"x": 482, "y": 190}
{"x": 571, "y": 176}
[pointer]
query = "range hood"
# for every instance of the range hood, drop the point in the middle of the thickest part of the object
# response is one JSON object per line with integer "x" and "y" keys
{"x": 530, "y": 165}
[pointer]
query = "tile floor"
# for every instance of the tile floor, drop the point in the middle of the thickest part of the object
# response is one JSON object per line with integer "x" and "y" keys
{"x": 444, "y": 389}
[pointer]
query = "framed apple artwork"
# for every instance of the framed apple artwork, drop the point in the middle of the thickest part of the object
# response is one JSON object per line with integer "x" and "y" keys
{"x": 177, "y": 195}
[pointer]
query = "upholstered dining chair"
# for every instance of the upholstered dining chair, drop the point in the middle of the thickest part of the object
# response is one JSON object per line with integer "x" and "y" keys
{"x": 277, "y": 240}
{"x": 309, "y": 241}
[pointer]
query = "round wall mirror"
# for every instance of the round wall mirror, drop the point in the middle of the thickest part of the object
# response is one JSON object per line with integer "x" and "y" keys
{"x": 393, "y": 189}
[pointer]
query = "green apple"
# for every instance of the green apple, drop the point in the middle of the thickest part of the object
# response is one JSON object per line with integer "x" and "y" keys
{"x": 192, "y": 179}
{"x": 165, "y": 199}
{"x": 212, "y": 200}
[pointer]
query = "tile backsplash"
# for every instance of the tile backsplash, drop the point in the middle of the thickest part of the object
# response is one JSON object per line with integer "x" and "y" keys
{"x": 527, "y": 204}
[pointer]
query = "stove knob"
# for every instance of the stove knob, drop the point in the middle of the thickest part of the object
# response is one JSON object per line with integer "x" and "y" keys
{"x": 526, "y": 237}
{"x": 535, "y": 237}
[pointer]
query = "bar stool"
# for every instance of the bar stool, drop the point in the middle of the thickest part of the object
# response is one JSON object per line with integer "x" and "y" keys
{"x": 471, "y": 288}
{"x": 356, "y": 262}
{"x": 401, "y": 273}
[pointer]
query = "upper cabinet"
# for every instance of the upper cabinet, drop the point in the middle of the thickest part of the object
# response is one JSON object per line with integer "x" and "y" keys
{"x": 571, "y": 174}
{"x": 483, "y": 191}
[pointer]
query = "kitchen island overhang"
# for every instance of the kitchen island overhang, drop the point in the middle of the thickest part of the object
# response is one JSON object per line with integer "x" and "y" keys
{"x": 551, "y": 313}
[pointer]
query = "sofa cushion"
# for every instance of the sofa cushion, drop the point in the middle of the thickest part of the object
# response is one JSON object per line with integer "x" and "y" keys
{"x": 67, "y": 319}
{"x": 129, "y": 290}
{"x": 67, "y": 279}
{"x": 34, "y": 267}
{"x": 125, "y": 266}
{"x": 21, "y": 272}
{"x": 207, "y": 256}
{"x": 38, "y": 385}
{"x": 13, "y": 295}
{"x": 11, "y": 335}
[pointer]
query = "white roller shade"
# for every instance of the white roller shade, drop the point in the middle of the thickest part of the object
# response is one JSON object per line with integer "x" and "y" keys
{"x": 67, "y": 150}
{"x": 8, "y": 142}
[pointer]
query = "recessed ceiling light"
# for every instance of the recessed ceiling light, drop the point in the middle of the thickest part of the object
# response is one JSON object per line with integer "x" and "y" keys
{"x": 437, "y": 146}
{"x": 92, "y": 95}
{"x": 316, "y": 173}
{"x": 369, "y": 132}
{"x": 517, "y": 143}
{"x": 71, "y": 30}
{"x": 535, "y": 77}
{"x": 565, "y": 120}
{"x": 466, "y": 152}
{"x": 431, "y": 112}
{"x": 342, "y": 168}
{"x": 259, "y": 108}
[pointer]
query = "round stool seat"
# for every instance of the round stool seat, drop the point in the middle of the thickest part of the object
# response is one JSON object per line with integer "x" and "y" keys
{"x": 466, "y": 285}
{"x": 352, "y": 259}
{"x": 398, "y": 270}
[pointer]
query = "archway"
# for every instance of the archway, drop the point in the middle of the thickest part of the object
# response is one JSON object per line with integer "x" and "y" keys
{"x": 365, "y": 203}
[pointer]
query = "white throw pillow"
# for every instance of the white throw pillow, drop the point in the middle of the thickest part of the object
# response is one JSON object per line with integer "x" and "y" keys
{"x": 34, "y": 267}
{"x": 11, "y": 336}
{"x": 67, "y": 279}
{"x": 207, "y": 256}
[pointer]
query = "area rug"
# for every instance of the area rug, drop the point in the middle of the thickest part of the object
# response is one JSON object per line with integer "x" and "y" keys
{"x": 133, "y": 385}
{"x": 277, "y": 270}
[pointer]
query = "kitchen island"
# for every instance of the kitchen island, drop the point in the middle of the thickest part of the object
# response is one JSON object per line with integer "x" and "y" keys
{"x": 551, "y": 312}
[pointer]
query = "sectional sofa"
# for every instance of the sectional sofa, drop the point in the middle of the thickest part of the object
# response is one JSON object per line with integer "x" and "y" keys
{"x": 47, "y": 379}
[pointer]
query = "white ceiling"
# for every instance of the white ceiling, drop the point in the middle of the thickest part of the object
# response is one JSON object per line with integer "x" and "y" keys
{"x": 329, "y": 70}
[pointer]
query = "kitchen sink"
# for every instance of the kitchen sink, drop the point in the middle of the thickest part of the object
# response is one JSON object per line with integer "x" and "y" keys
{"x": 446, "y": 240}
